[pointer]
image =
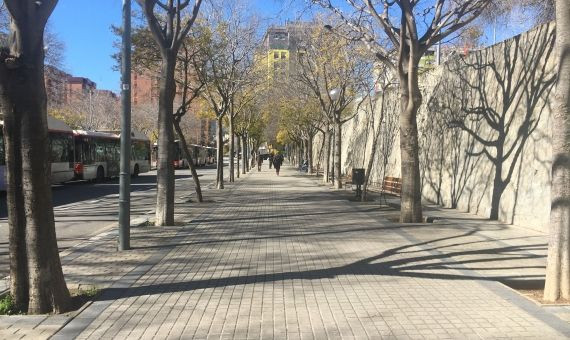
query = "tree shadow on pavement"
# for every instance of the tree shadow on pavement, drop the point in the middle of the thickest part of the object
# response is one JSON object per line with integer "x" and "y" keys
{"x": 414, "y": 260}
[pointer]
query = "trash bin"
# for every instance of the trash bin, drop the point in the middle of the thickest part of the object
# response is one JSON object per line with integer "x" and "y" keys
{"x": 358, "y": 176}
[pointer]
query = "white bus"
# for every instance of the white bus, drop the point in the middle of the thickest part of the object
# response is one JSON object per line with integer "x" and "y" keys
{"x": 61, "y": 152}
{"x": 61, "y": 146}
{"x": 202, "y": 155}
{"x": 97, "y": 154}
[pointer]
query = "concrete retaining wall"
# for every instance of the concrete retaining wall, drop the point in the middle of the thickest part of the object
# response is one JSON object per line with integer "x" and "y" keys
{"x": 484, "y": 131}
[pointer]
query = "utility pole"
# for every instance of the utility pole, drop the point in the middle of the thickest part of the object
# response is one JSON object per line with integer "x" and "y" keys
{"x": 125, "y": 173}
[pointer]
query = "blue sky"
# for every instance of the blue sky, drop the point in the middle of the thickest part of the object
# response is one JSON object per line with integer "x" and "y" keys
{"x": 84, "y": 27}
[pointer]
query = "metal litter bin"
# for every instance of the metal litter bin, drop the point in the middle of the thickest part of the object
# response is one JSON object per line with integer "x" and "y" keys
{"x": 358, "y": 180}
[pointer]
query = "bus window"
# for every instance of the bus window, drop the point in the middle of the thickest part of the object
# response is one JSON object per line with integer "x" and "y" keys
{"x": 81, "y": 150}
{"x": 61, "y": 150}
{"x": 112, "y": 149}
{"x": 85, "y": 151}
{"x": 99, "y": 152}
{"x": 140, "y": 151}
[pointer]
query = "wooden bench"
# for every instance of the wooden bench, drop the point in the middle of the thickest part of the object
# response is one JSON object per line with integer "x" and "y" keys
{"x": 347, "y": 180}
{"x": 392, "y": 185}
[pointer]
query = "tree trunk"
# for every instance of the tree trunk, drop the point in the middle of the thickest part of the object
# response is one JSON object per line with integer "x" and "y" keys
{"x": 321, "y": 154}
{"x": 190, "y": 159}
{"x": 165, "y": 155}
{"x": 557, "y": 285}
{"x": 310, "y": 154}
{"x": 331, "y": 157}
{"x": 411, "y": 99}
{"x": 305, "y": 149}
{"x": 48, "y": 291}
{"x": 498, "y": 185}
{"x": 22, "y": 87}
{"x": 232, "y": 149}
{"x": 239, "y": 151}
{"x": 337, "y": 155}
{"x": 253, "y": 153}
{"x": 220, "y": 155}
{"x": 245, "y": 153}
{"x": 15, "y": 201}
{"x": 249, "y": 155}
{"x": 326, "y": 161}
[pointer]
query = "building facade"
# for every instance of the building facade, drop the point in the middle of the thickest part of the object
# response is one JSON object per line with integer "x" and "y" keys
{"x": 279, "y": 49}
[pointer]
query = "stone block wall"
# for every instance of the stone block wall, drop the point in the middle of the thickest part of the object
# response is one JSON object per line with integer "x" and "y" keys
{"x": 484, "y": 131}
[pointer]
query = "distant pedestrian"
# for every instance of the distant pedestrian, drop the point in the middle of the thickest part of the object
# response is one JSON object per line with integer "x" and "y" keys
{"x": 259, "y": 162}
{"x": 277, "y": 161}
{"x": 271, "y": 155}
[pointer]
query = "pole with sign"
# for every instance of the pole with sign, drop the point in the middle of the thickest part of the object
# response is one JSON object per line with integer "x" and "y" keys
{"x": 125, "y": 172}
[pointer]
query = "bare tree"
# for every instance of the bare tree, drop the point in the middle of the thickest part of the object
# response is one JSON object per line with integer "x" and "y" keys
{"x": 144, "y": 119}
{"x": 37, "y": 281}
{"x": 245, "y": 125}
{"x": 557, "y": 284}
{"x": 383, "y": 84}
{"x": 242, "y": 111}
{"x": 333, "y": 71}
{"x": 89, "y": 110}
{"x": 147, "y": 61}
{"x": 190, "y": 92}
{"x": 538, "y": 11}
{"x": 411, "y": 27}
{"x": 300, "y": 116}
{"x": 170, "y": 22}
{"x": 229, "y": 61}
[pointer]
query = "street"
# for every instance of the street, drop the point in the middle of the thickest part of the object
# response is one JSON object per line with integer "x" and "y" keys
{"x": 84, "y": 209}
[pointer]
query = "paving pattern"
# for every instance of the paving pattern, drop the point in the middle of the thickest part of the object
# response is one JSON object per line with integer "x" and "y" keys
{"x": 283, "y": 258}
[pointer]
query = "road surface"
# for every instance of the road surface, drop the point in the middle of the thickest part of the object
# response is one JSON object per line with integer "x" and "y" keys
{"x": 84, "y": 209}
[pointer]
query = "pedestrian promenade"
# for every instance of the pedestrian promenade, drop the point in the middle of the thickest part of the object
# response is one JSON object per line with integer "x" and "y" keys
{"x": 285, "y": 258}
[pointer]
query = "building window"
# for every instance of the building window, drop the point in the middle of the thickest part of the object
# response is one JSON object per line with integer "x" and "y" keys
{"x": 283, "y": 55}
{"x": 275, "y": 55}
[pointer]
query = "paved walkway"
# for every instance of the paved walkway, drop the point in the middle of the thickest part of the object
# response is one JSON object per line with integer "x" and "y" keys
{"x": 281, "y": 257}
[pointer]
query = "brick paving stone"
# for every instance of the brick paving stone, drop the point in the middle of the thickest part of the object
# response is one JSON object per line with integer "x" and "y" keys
{"x": 281, "y": 257}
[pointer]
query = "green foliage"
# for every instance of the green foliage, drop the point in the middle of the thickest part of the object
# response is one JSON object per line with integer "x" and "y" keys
{"x": 7, "y": 306}
{"x": 74, "y": 119}
{"x": 89, "y": 293}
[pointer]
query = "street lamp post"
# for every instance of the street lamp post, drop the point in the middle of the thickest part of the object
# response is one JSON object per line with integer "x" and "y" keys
{"x": 125, "y": 172}
{"x": 334, "y": 95}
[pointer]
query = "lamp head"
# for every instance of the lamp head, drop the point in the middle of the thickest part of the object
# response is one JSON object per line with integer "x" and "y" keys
{"x": 335, "y": 94}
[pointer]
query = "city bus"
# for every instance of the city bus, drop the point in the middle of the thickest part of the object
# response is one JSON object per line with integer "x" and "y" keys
{"x": 97, "y": 154}
{"x": 140, "y": 153}
{"x": 202, "y": 155}
{"x": 60, "y": 152}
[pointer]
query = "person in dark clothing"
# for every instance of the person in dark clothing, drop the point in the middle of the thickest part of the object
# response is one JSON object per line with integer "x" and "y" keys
{"x": 277, "y": 161}
{"x": 271, "y": 155}
{"x": 259, "y": 162}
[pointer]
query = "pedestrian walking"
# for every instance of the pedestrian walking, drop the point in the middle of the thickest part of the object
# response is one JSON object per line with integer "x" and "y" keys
{"x": 277, "y": 161}
{"x": 259, "y": 162}
{"x": 271, "y": 155}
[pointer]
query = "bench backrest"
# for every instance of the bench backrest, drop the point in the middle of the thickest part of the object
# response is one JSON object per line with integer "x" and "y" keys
{"x": 392, "y": 185}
